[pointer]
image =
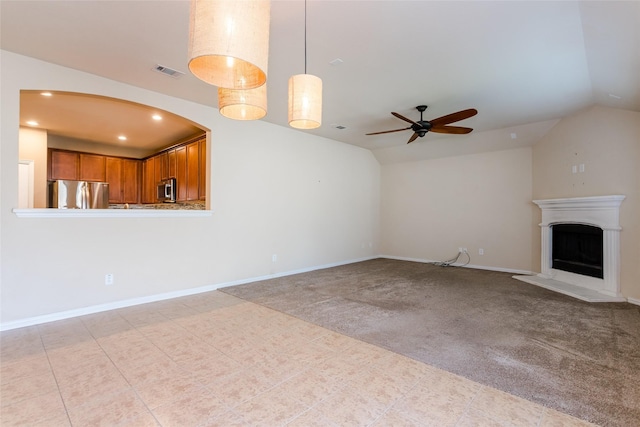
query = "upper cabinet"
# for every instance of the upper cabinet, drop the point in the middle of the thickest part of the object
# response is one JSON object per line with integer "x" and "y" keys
{"x": 92, "y": 167}
{"x": 186, "y": 163}
{"x": 122, "y": 174}
{"x": 76, "y": 166}
{"x": 136, "y": 181}
{"x": 63, "y": 165}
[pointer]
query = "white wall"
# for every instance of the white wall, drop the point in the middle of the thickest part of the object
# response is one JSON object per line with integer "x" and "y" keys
{"x": 33, "y": 146}
{"x": 431, "y": 208}
{"x": 607, "y": 142}
{"x": 310, "y": 200}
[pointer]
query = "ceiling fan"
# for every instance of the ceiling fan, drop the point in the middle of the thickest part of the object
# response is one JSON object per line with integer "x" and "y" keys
{"x": 421, "y": 127}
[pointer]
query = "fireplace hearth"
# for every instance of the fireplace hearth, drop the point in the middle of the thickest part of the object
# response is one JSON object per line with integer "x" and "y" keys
{"x": 580, "y": 248}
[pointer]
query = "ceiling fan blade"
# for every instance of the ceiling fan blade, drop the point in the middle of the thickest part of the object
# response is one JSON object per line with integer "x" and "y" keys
{"x": 451, "y": 129}
{"x": 454, "y": 117}
{"x": 401, "y": 117}
{"x": 413, "y": 138}
{"x": 387, "y": 131}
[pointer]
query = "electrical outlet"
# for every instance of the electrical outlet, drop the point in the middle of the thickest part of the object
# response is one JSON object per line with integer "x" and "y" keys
{"x": 480, "y": 251}
{"x": 462, "y": 250}
{"x": 274, "y": 258}
{"x": 108, "y": 279}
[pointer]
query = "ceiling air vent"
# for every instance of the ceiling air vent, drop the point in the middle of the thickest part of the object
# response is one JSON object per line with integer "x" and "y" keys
{"x": 168, "y": 71}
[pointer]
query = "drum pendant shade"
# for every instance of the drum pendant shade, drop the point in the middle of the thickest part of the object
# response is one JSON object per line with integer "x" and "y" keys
{"x": 305, "y": 101}
{"x": 229, "y": 42}
{"x": 250, "y": 104}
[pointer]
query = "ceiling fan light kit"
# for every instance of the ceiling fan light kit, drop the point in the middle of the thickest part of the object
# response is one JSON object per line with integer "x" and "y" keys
{"x": 229, "y": 42}
{"x": 249, "y": 104}
{"x": 439, "y": 125}
{"x": 305, "y": 94}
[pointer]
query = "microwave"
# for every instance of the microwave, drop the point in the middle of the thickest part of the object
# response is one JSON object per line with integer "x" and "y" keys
{"x": 167, "y": 190}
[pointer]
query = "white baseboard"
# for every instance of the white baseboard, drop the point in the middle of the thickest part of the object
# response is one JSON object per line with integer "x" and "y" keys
{"x": 37, "y": 320}
{"x": 478, "y": 267}
{"x": 634, "y": 301}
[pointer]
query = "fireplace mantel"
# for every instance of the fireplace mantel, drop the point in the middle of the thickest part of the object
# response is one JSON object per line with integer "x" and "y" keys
{"x": 599, "y": 211}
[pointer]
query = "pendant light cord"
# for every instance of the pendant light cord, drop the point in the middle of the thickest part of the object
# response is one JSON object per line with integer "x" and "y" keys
{"x": 305, "y": 36}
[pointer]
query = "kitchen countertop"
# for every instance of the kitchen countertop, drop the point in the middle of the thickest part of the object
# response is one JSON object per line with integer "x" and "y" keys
{"x": 162, "y": 206}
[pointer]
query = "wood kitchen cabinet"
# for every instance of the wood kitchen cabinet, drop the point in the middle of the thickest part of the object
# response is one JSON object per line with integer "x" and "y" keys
{"x": 92, "y": 167}
{"x": 114, "y": 178}
{"x": 63, "y": 165}
{"x": 131, "y": 181}
{"x": 162, "y": 160}
{"x": 171, "y": 160}
{"x": 149, "y": 182}
{"x": 186, "y": 163}
{"x": 181, "y": 173}
{"x": 188, "y": 172}
{"x": 193, "y": 171}
{"x": 122, "y": 176}
{"x": 203, "y": 169}
{"x": 158, "y": 166}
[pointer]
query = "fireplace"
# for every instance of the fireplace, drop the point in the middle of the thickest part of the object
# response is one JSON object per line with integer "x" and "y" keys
{"x": 577, "y": 248}
{"x": 580, "y": 248}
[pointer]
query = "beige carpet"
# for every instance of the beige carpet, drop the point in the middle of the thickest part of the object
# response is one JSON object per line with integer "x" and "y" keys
{"x": 580, "y": 358}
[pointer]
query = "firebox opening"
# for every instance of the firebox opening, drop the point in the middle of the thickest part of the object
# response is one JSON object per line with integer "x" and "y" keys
{"x": 577, "y": 248}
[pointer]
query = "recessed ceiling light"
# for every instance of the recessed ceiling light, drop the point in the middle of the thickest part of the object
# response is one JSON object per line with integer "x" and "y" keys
{"x": 32, "y": 123}
{"x": 46, "y": 94}
{"x": 122, "y": 138}
{"x": 156, "y": 117}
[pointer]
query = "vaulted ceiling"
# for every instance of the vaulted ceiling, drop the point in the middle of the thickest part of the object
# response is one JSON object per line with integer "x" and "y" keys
{"x": 522, "y": 64}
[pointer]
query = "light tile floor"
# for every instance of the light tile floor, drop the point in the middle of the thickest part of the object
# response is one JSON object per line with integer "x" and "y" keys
{"x": 215, "y": 360}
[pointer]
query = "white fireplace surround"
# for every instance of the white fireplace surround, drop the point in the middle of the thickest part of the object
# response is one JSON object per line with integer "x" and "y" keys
{"x": 599, "y": 211}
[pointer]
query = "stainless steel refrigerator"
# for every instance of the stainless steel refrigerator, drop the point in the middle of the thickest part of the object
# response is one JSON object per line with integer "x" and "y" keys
{"x": 65, "y": 194}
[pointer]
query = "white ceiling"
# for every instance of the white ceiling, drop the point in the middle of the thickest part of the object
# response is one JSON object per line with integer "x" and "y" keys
{"x": 522, "y": 64}
{"x": 102, "y": 120}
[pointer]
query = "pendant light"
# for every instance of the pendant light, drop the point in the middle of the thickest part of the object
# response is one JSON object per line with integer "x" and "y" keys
{"x": 305, "y": 94}
{"x": 249, "y": 104}
{"x": 229, "y": 42}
